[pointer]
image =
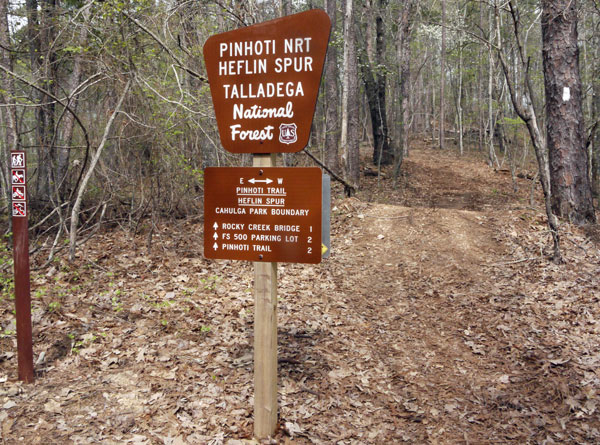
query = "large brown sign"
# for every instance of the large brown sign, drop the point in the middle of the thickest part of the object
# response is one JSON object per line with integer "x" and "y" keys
{"x": 268, "y": 214}
{"x": 264, "y": 81}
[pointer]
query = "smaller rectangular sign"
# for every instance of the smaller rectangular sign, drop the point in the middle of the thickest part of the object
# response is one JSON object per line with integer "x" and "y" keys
{"x": 17, "y": 159}
{"x": 19, "y": 209}
{"x": 18, "y": 176}
{"x": 270, "y": 214}
{"x": 18, "y": 193}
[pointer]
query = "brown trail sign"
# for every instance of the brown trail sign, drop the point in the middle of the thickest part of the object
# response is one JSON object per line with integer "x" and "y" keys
{"x": 264, "y": 81}
{"x": 270, "y": 214}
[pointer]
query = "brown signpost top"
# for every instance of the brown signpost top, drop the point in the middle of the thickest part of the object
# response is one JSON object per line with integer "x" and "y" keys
{"x": 270, "y": 214}
{"x": 264, "y": 81}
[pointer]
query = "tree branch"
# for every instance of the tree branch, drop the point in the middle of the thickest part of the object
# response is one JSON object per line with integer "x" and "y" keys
{"x": 348, "y": 189}
{"x": 165, "y": 47}
{"x": 51, "y": 96}
{"x": 88, "y": 175}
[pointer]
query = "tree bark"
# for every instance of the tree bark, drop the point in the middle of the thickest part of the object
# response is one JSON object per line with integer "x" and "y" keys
{"x": 443, "y": 78}
{"x": 350, "y": 102}
{"x": 481, "y": 132}
{"x": 491, "y": 152}
{"x": 286, "y": 7}
{"x": 331, "y": 98}
{"x": 405, "y": 25}
{"x": 569, "y": 180}
{"x": 595, "y": 135}
{"x": 384, "y": 154}
{"x": 459, "y": 99}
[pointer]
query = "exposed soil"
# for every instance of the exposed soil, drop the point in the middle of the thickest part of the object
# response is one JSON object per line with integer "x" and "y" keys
{"x": 438, "y": 319}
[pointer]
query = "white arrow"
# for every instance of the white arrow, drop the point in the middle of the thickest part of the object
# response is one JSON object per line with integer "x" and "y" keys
{"x": 216, "y": 236}
{"x": 266, "y": 181}
{"x": 215, "y": 226}
{"x": 215, "y": 246}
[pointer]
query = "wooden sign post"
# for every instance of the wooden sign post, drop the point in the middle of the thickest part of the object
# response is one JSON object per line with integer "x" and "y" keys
{"x": 264, "y": 81}
{"x": 18, "y": 173}
{"x": 265, "y": 337}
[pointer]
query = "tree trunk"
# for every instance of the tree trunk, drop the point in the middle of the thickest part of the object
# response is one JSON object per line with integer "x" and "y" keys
{"x": 459, "y": 99}
{"x": 405, "y": 24}
{"x": 459, "y": 107}
{"x": 443, "y": 77}
{"x": 384, "y": 153}
{"x": 289, "y": 159}
{"x": 491, "y": 152}
{"x": 331, "y": 98}
{"x": 345, "y": 82}
{"x": 374, "y": 77}
{"x": 595, "y": 136}
{"x": 481, "y": 132}
{"x": 41, "y": 31}
{"x": 286, "y": 7}
{"x": 66, "y": 135}
{"x": 569, "y": 180}
{"x": 350, "y": 102}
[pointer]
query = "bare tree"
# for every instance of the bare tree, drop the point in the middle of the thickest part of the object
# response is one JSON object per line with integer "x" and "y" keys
{"x": 523, "y": 101}
{"x": 90, "y": 171}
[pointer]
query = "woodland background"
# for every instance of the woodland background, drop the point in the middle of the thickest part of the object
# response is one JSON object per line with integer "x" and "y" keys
{"x": 110, "y": 100}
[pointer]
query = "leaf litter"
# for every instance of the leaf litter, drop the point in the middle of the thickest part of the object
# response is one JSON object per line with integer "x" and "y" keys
{"x": 437, "y": 319}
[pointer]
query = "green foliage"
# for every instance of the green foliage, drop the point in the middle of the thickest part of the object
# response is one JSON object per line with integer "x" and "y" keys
{"x": 513, "y": 121}
{"x": 117, "y": 305}
{"x": 54, "y": 306}
{"x": 211, "y": 282}
{"x": 85, "y": 341}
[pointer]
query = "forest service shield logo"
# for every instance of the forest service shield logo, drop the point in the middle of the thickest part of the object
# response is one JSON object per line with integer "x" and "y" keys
{"x": 287, "y": 133}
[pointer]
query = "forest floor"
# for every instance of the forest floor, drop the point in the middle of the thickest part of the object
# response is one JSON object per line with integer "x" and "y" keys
{"x": 438, "y": 319}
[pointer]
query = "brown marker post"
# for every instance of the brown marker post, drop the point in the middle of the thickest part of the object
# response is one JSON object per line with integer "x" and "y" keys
{"x": 21, "y": 266}
{"x": 265, "y": 336}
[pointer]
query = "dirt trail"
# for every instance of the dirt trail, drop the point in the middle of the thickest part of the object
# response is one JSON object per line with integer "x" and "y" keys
{"x": 436, "y": 320}
{"x": 453, "y": 313}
